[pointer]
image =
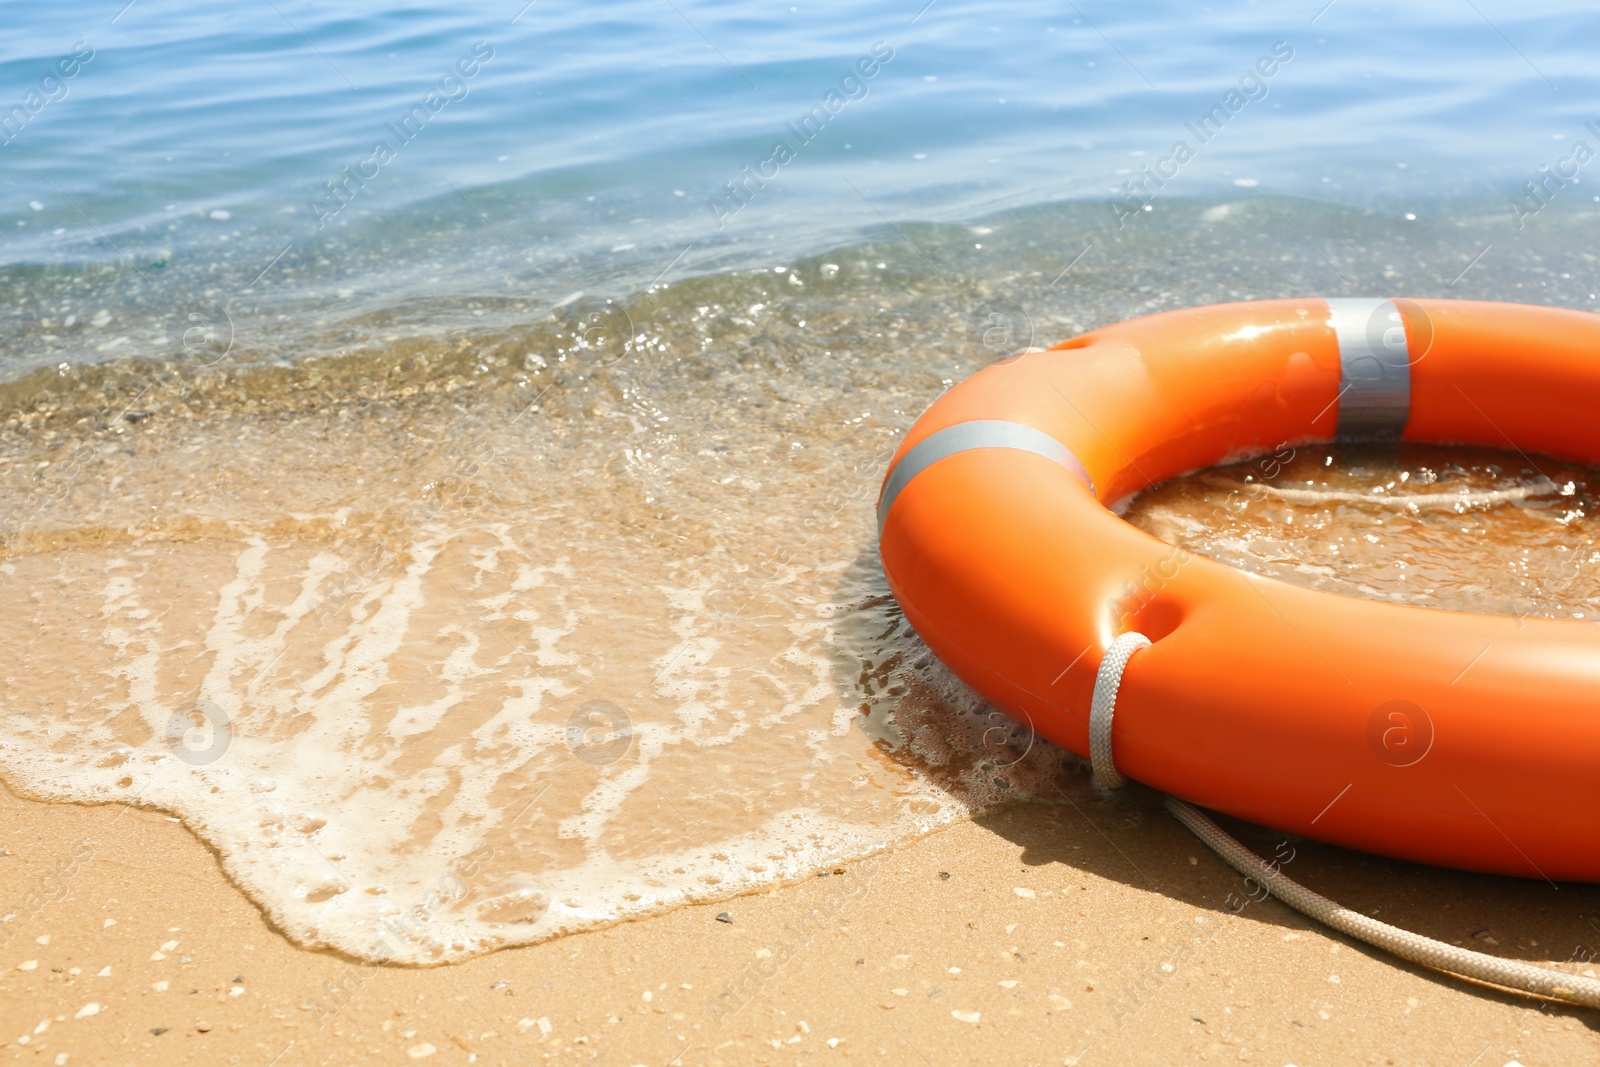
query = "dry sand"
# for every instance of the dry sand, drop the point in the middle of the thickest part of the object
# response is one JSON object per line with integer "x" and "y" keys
{"x": 1090, "y": 931}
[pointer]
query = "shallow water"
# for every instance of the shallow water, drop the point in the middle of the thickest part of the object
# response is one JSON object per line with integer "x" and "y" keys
{"x": 494, "y": 558}
{"x": 1459, "y": 529}
{"x": 520, "y": 638}
{"x": 165, "y": 198}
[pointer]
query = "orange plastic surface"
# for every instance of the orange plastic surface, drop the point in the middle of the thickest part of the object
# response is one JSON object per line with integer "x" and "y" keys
{"x": 1468, "y": 741}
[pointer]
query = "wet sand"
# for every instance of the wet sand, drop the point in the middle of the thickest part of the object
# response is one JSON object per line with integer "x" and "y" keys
{"x": 1084, "y": 931}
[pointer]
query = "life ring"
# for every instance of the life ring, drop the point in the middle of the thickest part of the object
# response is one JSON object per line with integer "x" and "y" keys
{"x": 1462, "y": 740}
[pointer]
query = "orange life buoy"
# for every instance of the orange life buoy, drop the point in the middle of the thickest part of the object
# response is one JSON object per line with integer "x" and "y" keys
{"x": 1468, "y": 741}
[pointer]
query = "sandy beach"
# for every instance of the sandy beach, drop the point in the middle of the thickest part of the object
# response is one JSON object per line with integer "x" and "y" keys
{"x": 1086, "y": 931}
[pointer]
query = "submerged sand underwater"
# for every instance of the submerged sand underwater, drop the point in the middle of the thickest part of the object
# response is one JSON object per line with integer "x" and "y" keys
{"x": 565, "y": 625}
{"x": 1453, "y": 528}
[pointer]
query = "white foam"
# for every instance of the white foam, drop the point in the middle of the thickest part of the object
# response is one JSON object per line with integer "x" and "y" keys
{"x": 381, "y": 753}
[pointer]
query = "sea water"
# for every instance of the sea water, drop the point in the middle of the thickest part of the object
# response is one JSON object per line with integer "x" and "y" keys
{"x": 439, "y": 448}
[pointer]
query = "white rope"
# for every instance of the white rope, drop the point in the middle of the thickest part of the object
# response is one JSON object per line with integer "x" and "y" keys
{"x": 1508, "y": 974}
{"x": 1488, "y": 499}
{"x": 1104, "y": 705}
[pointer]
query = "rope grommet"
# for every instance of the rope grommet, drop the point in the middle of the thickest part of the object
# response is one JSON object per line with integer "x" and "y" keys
{"x": 1104, "y": 705}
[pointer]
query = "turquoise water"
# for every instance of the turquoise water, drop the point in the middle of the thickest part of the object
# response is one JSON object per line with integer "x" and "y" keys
{"x": 589, "y": 150}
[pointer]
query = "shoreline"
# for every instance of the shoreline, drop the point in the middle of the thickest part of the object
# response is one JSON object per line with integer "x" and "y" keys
{"x": 1089, "y": 931}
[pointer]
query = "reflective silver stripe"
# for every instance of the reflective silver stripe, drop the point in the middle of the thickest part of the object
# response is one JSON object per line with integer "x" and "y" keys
{"x": 965, "y": 436}
{"x": 1374, "y": 368}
